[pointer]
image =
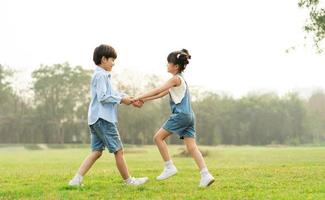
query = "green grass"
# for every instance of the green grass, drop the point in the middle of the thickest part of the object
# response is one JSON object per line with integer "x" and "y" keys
{"x": 240, "y": 172}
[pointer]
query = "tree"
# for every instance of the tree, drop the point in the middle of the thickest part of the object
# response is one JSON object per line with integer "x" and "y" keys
{"x": 316, "y": 117}
{"x": 315, "y": 24}
{"x": 61, "y": 97}
{"x": 13, "y": 110}
{"x": 5, "y": 89}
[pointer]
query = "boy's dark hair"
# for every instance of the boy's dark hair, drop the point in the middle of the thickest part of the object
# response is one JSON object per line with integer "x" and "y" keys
{"x": 179, "y": 58}
{"x": 103, "y": 50}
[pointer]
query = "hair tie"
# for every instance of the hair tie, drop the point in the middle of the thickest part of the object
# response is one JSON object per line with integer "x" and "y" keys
{"x": 179, "y": 54}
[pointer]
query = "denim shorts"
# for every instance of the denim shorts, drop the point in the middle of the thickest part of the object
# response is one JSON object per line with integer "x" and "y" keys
{"x": 105, "y": 134}
{"x": 182, "y": 124}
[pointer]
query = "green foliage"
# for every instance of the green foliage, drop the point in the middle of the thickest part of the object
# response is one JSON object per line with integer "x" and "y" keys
{"x": 315, "y": 24}
{"x": 14, "y": 112}
{"x": 5, "y": 88}
{"x": 61, "y": 98}
{"x": 59, "y": 113}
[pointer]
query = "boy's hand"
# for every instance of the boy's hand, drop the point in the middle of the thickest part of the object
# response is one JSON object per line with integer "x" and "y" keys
{"x": 126, "y": 100}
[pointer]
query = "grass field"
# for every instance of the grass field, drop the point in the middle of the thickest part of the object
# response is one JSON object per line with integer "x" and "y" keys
{"x": 240, "y": 172}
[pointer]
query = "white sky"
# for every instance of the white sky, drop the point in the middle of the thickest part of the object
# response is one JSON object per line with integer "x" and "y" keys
{"x": 237, "y": 46}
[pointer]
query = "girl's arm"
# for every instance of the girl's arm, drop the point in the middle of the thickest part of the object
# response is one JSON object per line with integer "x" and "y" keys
{"x": 174, "y": 81}
{"x": 156, "y": 96}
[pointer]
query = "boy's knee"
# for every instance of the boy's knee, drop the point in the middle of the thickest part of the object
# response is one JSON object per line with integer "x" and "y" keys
{"x": 97, "y": 154}
{"x": 119, "y": 152}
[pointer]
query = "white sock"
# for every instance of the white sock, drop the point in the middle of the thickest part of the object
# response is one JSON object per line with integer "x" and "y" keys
{"x": 78, "y": 177}
{"x": 169, "y": 163}
{"x": 204, "y": 171}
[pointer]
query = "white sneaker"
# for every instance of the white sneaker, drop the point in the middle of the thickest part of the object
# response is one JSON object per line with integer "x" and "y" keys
{"x": 206, "y": 180}
{"x": 75, "y": 182}
{"x": 137, "y": 181}
{"x": 167, "y": 172}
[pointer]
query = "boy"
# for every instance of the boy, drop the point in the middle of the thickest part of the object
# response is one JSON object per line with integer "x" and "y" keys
{"x": 102, "y": 118}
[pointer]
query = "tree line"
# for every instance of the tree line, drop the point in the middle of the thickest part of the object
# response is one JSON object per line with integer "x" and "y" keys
{"x": 57, "y": 112}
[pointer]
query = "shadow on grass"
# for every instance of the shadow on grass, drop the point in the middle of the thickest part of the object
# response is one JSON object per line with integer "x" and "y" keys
{"x": 184, "y": 153}
{"x": 74, "y": 188}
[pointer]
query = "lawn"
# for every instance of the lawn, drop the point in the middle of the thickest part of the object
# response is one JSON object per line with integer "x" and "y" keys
{"x": 241, "y": 173}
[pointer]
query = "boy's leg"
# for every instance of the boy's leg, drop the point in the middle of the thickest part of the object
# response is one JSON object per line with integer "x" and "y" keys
{"x": 84, "y": 168}
{"x": 206, "y": 178}
{"x": 97, "y": 147}
{"x": 109, "y": 136}
{"x": 88, "y": 162}
{"x": 121, "y": 164}
{"x": 170, "y": 168}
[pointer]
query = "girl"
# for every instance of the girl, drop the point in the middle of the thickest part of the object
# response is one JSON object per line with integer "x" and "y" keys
{"x": 182, "y": 119}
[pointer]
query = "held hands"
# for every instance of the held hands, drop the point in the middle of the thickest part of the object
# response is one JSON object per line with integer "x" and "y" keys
{"x": 127, "y": 100}
{"x": 134, "y": 101}
{"x": 137, "y": 102}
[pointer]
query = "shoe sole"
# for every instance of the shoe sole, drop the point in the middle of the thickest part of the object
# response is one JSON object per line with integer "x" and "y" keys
{"x": 76, "y": 185}
{"x": 210, "y": 183}
{"x": 146, "y": 180}
{"x": 136, "y": 185}
{"x": 166, "y": 177}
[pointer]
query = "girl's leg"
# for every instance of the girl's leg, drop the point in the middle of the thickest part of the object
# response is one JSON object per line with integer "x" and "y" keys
{"x": 206, "y": 178}
{"x": 194, "y": 151}
{"x": 159, "y": 140}
{"x": 170, "y": 168}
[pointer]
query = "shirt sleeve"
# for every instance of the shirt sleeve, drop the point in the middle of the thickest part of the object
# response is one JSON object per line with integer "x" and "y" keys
{"x": 122, "y": 94}
{"x": 104, "y": 94}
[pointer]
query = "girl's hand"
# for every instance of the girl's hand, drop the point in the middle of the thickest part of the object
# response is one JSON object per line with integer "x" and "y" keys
{"x": 138, "y": 103}
{"x": 134, "y": 99}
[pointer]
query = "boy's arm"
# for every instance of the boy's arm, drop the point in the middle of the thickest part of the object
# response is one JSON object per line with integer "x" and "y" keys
{"x": 122, "y": 94}
{"x": 104, "y": 94}
{"x": 165, "y": 87}
{"x": 126, "y": 99}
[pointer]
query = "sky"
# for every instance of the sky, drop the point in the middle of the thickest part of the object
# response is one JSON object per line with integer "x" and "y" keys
{"x": 237, "y": 46}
